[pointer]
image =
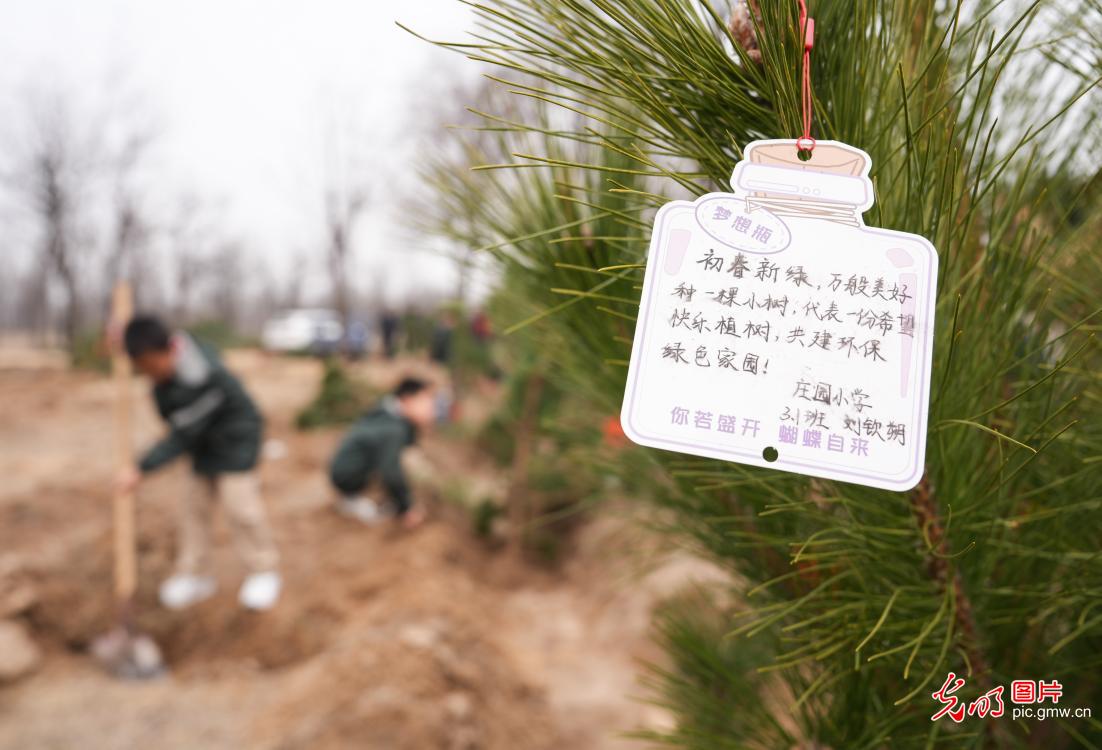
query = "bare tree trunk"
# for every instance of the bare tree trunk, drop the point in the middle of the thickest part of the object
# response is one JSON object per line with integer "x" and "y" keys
{"x": 338, "y": 269}
{"x": 72, "y": 310}
{"x": 189, "y": 272}
{"x": 58, "y": 251}
{"x": 291, "y": 295}
{"x": 519, "y": 504}
{"x": 129, "y": 234}
{"x": 228, "y": 285}
{"x": 50, "y": 175}
{"x": 343, "y": 210}
{"x": 33, "y": 312}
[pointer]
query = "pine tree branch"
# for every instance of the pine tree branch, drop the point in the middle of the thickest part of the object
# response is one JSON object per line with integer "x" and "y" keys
{"x": 930, "y": 525}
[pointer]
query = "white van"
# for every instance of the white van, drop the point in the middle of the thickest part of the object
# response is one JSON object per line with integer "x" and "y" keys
{"x": 316, "y": 330}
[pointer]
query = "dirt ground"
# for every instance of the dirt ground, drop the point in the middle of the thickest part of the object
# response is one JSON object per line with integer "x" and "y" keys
{"x": 383, "y": 639}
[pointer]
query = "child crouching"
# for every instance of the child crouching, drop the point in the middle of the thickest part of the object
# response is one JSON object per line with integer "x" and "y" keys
{"x": 373, "y": 448}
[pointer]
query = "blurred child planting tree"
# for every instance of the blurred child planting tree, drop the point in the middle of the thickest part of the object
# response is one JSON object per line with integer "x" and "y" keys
{"x": 212, "y": 419}
{"x": 373, "y": 449}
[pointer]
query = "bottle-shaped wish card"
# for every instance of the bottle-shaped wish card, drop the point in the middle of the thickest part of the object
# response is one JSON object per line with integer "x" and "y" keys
{"x": 776, "y": 329}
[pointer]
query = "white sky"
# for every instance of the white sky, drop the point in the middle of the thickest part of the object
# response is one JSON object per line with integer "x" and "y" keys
{"x": 244, "y": 92}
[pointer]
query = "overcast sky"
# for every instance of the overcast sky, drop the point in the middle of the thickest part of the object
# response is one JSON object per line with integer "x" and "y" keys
{"x": 246, "y": 95}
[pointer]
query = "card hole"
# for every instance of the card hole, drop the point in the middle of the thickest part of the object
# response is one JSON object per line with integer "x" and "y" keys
{"x": 770, "y": 454}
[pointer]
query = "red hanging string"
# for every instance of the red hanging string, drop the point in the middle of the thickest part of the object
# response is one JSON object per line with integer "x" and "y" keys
{"x": 807, "y": 31}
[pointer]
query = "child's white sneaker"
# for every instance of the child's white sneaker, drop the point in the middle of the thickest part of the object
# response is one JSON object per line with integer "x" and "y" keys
{"x": 185, "y": 589}
{"x": 362, "y": 509}
{"x": 260, "y": 590}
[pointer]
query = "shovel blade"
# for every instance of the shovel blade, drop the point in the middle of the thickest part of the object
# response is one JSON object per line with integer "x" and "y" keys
{"x": 129, "y": 655}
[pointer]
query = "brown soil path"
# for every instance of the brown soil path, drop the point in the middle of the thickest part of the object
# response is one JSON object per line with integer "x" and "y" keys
{"x": 383, "y": 639}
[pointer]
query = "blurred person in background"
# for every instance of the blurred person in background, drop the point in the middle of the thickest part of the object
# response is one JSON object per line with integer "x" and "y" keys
{"x": 481, "y": 328}
{"x": 355, "y": 340}
{"x": 372, "y": 449}
{"x": 482, "y": 334}
{"x": 213, "y": 420}
{"x": 389, "y": 324}
{"x": 440, "y": 348}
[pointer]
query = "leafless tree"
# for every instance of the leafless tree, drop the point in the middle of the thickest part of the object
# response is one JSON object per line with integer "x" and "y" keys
{"x": 346, "y": 196}
{"x": 283, "y": 291}
{"x": 435, "y": 111}
{"x": 188, "y": 237}
{"x": 344, "y": 206}
{"x": 132, "y": 229}
{"x": 189, "y": 268}
{"x": 49, "y": 177}
{"x": 227, "y": 277}
{"x": 71, "y": 168}
{"x": 291, "y": 295}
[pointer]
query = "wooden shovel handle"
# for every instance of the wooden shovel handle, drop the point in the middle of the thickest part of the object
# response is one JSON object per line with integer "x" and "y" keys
{"x": 126, "y": 565}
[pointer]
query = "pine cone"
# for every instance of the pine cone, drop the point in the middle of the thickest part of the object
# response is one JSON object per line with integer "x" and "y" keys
{"x": 741, "y": 26}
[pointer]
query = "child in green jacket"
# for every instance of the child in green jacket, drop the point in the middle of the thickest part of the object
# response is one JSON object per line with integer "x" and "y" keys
{"x": 373, "y": 448}
{"x": 211, "y": 419}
